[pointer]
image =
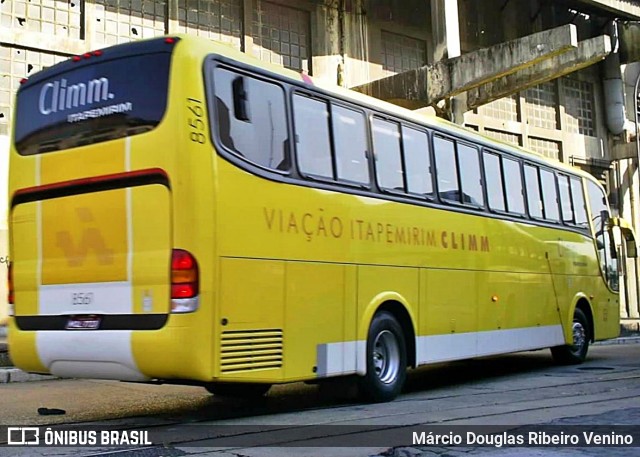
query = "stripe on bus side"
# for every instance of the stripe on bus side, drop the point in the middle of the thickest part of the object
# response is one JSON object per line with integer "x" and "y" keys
{"x": 349, "y": 357}
{"x": 456, "y": 346}
{"x": 335, "y": 359}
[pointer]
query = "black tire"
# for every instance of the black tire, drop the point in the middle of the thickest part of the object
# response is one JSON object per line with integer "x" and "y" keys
{"x": 237, "y": 390}
{"x": 575, "y": 353}
{"x": 386, "y": 360}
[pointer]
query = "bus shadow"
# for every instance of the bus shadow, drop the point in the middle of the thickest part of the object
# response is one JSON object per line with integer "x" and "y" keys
{"x": 464, "y": 372}
{"x": 298, "y": 397}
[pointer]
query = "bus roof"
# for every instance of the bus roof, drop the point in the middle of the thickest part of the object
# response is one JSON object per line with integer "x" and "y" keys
{"x": 203, "y": 47}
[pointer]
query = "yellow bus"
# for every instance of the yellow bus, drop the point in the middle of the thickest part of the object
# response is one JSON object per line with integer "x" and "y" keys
{"x": 183, "y": 213}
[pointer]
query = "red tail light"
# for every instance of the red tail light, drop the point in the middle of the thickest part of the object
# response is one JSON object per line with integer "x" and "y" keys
{"x": 185, "y": 282}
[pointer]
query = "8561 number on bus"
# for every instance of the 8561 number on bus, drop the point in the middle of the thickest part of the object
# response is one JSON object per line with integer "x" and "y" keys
{"x": 195, "y": 121}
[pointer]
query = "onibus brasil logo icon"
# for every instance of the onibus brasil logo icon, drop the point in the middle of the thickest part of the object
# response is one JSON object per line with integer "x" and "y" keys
{"x": 23, "y": 436}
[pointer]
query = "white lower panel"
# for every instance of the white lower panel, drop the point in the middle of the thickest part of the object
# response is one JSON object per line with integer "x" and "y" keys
{"x": 336, "y": 359}
{"x": 99, "y": 354}
{"x": 456, "y": 346}
{"x": 86, "y": 298}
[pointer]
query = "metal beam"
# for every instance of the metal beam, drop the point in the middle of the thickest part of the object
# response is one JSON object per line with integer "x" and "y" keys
{"x": 427, "y": 85}
{"x": 621, "y": 8}
{"x": 588, "y": 52}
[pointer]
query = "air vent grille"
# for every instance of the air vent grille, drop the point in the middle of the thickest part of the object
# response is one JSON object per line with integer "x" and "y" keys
{"x": 248, "y": 350}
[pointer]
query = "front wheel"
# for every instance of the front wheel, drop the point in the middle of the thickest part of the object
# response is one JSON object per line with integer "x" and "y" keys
{"x": 386, "y": 360}
{"x": 237, "y": 390}
{"x": 575, "y": 353}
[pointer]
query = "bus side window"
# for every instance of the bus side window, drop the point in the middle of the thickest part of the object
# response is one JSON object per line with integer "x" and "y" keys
{"x": 604, "y": 244}
{"x": 534, "y": 199}
{"x": 313, "y": 143}
{"x": 470, "y": 175}
{"x": 577, "y": 197}
{"x": 493, "y": 181}
{"x": 513, "y": 184}
{"x": 417, "y": 162}
{"x": 549, "y": 196}
{"x": 565, "y": 199}
{"x": 350, "y": 139}
{"x": 446, "y": 169}
{"x": 386, "y": 149}
{"x": 255, "y": 112}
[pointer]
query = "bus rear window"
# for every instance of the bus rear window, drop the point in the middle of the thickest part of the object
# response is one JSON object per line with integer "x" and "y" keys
{"x": 92, "y": 103}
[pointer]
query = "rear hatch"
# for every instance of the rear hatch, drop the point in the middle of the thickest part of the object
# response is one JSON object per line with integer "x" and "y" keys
{"x": 91, "y": 213}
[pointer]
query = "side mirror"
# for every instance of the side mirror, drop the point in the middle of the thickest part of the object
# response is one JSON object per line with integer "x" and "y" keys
{"x": 627, "y": 234}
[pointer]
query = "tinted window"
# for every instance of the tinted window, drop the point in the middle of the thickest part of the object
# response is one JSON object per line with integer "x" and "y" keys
{"x": 549, "y": 196}
{"x": 604, "y": 243}
{"x": 534, "y": 199}
{"x": 577, "y": 196}
{"x": 513, "y": 183}
{"x": 417, "y": 161}
{"x": 598, "y": 207}
{"x": 493, "y": 180}
{"x": 350, "y": 139}
{"x": 446, "y": 171}
{"x": 313, "y": 144}
{"x": 252, "y": 120}
{"x": 386, "y": 147}
{"x": 99, "y": 102}
{"x": 565, "y": 198}
{"x": 470, "y": 175}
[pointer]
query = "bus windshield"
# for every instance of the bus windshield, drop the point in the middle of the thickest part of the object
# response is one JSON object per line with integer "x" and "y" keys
{"x": 92, "y": 103}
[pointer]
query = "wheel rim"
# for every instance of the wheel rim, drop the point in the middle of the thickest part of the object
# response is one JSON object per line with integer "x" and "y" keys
{"x": 579, "y": 337}
{"x": 386, "y": 357}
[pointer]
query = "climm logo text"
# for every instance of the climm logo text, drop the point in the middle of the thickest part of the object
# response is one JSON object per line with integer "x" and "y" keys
{"x": 57, "y": 96}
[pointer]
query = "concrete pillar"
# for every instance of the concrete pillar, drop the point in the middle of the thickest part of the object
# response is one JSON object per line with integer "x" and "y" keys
{"x": 630, "y": 197}
{"x": 446, "y": 29}
{"x": 326, "y": 40}
{"x": 629, "y": 186}
{"x": 357, "y": 61}
{"x": 172, "y": 23}
{"x": 248, "y": 7}
{"x": 445, "y": 26}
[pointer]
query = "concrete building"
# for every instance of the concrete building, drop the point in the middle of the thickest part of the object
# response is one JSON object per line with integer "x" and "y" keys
{"x": 556, "y": 77}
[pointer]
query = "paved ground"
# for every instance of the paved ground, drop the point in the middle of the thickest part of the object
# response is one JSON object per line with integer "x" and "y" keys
{"x": 518, "y": 389}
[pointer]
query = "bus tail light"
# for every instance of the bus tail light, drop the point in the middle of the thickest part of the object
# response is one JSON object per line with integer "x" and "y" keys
{"x": 10, "y": 297}
{"x": 185, "y": 282}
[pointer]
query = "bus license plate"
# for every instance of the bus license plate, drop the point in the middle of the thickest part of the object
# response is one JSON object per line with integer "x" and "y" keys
{"x": 83, "y": 323}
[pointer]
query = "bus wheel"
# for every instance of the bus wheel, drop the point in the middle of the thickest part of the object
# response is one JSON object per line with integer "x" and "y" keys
{"x": 237, "y": 390}
{"x": 575, "y": 353}
{"x": 386, "y": 360}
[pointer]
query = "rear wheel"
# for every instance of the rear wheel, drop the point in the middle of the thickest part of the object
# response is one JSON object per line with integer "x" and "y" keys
{"x": 237, "y": 390}
{"x": 386, "y": 360}
{"x": 576, "y": 352}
